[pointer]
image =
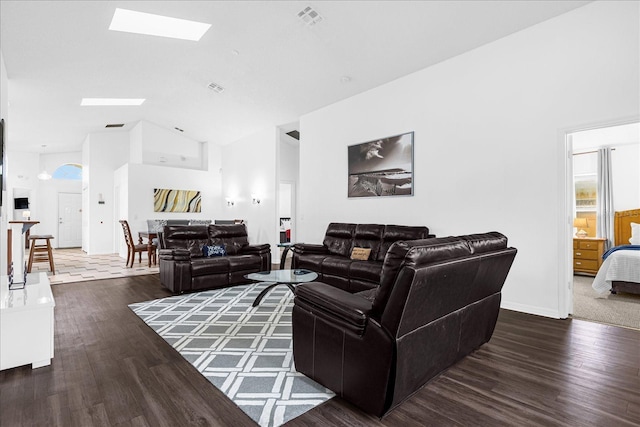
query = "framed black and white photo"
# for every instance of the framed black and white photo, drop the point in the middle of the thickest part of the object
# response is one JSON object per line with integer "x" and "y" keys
{"x": 382, "y": 167}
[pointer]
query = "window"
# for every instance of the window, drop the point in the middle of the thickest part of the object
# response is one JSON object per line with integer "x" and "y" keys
{"x": 70, "y": 171}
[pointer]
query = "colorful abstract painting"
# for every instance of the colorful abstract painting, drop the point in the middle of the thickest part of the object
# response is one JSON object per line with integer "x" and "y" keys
{"x": 165, "y": 200}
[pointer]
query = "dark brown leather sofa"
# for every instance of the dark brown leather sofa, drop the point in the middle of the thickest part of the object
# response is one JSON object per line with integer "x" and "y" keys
{"x": 331, "y": 260}
{"x": 438, "y": 300}
{"x": 183, "y": 268}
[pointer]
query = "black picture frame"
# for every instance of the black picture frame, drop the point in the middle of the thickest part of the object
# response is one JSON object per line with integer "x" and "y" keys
{"x": 381, "y": 167}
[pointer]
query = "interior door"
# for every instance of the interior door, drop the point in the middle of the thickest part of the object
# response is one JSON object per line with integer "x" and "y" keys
{"x": 69, "y": 220}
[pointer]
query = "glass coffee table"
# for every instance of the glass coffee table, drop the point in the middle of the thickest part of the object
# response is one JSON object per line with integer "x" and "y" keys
{"x": 288, "y": 278}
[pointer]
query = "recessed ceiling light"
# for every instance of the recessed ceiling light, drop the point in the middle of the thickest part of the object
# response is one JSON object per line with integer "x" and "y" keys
{"x": 111, "y": 101}
{"x": 309, "y": 16}
{"x": 215, "y": 87}
{"x": 131, "y": 21}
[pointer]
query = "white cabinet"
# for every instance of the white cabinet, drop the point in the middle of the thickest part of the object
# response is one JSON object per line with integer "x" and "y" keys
{"x": 26, "y": 323}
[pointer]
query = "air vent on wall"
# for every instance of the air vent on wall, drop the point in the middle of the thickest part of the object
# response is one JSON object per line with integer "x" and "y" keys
{"x": 114, "y": 125}
{"x": 309, "y": 16}
{"x": 294, "y": 134}
{"x": 215, "y": 87}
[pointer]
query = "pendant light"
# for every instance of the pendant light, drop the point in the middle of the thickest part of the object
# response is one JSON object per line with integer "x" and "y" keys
{"x": 44, "y": 175}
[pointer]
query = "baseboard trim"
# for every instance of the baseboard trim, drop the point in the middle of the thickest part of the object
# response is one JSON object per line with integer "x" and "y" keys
{"x": 530, "y": 309}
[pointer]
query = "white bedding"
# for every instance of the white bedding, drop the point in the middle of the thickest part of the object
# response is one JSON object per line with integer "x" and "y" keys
{"x": 619, "y": 266}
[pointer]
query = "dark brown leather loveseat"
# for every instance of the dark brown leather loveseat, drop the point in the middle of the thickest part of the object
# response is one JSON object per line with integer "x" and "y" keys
{"x": 438, "y": 300}
{"x": 331, "y": 260}
{"x": 184, "y": 268}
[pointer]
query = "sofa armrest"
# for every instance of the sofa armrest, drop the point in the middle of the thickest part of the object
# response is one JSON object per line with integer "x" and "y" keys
{"x": 308, "y": 248}
{"x": 256, "y": 249}
{"x": 339, "y": 307}
{"x": 175, "y": 254}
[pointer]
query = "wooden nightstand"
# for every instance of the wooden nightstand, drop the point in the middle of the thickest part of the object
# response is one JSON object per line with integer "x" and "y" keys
{"x": 587, "y": 255}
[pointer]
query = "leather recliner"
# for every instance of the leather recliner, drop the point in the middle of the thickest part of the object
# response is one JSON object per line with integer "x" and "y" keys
{"x": 437, "y": 301}
{"x": 331, "y": 260}
{"x": 183, "y": 268}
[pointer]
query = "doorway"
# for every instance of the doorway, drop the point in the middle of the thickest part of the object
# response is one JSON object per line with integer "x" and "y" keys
{"x": 286, "y": 212}
{"x": 69, "y": 220}
{"x": 623, "y": 140}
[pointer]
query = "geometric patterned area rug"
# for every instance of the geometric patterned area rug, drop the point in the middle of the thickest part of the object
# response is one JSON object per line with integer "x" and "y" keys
{"x": 245, "y": 351}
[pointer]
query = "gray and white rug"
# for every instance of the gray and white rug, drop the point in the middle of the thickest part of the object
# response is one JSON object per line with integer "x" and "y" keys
{"x": 245, "y": 352}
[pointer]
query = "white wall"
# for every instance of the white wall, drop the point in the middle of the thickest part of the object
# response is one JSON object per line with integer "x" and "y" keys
{"x": 250, "y": 168}
{"x": 103, "y": 153}
{"x": 46, "y": 200}
{"x": 121, "y": 206}
{"x": 144, "y": 178}
{"x": 111, "y": 162}
{"x": 165, "y": 147}
{"x": 4, "y": 110}
{"x": 488, "y": 145}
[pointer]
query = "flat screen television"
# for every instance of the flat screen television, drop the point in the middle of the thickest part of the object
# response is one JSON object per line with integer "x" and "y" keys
{"x": 21, "y": 203}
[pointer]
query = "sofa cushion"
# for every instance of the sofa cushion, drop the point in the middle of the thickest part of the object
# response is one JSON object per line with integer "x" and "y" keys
{"x": 368, "y": 236}
{"x": 336, "y": 266}
{"x": 366, "y": 270}
{"x": 204, "y": 266}
{"x": 244, "y": 262}
{"x": 192, "y": 238}
{"x": 339, "y": 238}
{"x": 311, "y": 262}
{"x": 394, "y": 233}
{"x": 232, "y": 236}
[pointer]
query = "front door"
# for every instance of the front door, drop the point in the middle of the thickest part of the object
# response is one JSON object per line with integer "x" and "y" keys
{"x": 69, "y": 220}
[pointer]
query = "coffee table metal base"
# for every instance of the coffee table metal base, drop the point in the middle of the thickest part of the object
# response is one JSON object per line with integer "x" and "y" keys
{"x": 266, "y": 290}
{"x": 280, "y": 277}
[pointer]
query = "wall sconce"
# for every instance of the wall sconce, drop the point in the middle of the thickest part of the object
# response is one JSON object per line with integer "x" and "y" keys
{"x": 581, "y": 223}
{"x": 255, "y": 199}
{"x": 26, "y": 215}
{"x": 230, "y": 202}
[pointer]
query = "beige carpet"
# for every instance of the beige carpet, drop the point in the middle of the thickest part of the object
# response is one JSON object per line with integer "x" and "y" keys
{"x": 621, "y": 309}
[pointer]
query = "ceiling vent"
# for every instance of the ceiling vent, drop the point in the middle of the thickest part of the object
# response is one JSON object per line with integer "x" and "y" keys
{"x": 114, "y": 125}
{"x": 294, "y": 134}
{"x": 215, "y": 87}
{"x": 309, "y": 16}
{"x": 178, "y": 129}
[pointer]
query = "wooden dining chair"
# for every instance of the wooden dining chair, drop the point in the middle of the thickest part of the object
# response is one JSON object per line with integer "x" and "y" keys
{"x": 132, "y": 248}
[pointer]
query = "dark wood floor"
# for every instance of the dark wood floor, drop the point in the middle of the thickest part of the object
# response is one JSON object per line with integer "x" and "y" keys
{"x": 111, "y": 369}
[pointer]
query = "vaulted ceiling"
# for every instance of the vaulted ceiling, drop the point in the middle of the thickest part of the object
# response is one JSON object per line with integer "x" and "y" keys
{"x": 273, "y": 67}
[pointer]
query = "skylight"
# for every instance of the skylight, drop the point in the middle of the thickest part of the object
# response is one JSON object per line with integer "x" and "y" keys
{"x": 91, "y": 102}
{"x": 131, "y": 21}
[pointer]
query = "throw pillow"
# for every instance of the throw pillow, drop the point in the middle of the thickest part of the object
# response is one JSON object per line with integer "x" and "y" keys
{"x": 635, "y": 234}
{"x": 361, "y": 254}
{"x": 213, "y": 250}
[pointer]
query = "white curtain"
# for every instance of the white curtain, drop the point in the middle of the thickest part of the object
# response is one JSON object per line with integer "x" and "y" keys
{"x": 604, "y": 218}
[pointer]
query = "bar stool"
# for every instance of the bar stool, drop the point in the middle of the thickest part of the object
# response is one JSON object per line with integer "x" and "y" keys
{"x": 41, "y": 252}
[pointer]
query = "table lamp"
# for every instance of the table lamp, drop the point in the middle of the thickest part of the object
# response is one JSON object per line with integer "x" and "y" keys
{"x": 26, "y": 215}
{"x": 580, "y": 224}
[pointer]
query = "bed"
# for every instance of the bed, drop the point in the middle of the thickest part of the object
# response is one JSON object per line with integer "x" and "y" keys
{"x": 620, "y": 271}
